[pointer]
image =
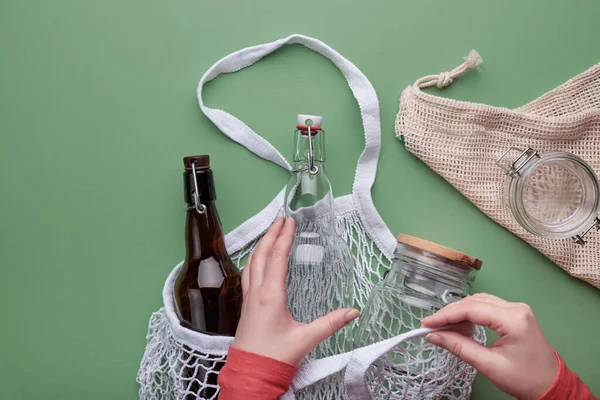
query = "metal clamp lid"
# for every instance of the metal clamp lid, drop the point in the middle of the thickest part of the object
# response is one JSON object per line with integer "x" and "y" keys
{"x": 515, "y": 168}
{"x": 579, "y": 238}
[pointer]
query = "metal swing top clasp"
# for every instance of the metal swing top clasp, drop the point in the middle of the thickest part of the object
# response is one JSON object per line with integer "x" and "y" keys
{"x": 308, "y": 125}
{"x": 198, "y": 206}
{"x": 312, "y": 168}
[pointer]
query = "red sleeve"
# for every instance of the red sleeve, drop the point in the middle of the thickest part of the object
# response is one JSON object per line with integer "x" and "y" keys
{"x": 567, "y": 385}
{"x": 252, "y": 376}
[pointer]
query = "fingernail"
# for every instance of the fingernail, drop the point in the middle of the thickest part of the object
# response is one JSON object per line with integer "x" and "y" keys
{"x": 290, "y": 222}
{"x": 433, "y": 338}
{"x": 351, "y": 315}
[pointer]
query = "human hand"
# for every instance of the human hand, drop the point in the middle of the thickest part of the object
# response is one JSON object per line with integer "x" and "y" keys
{"x": 521, "y": 362}
{"x": 266, "y": 326}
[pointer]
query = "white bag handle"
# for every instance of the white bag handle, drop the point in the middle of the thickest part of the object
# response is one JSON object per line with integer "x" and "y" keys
{"x": 356, "y": 364}
{"x": 235, "y": 129}
{"x": 361, "y": 88}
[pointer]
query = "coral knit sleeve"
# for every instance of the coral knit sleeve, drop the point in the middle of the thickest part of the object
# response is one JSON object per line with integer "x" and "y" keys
{"x": 252, "y": 376}
{"x": 567, "y": 385}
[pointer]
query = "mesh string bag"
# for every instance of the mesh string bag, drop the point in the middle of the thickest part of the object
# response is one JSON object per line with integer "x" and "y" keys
{"x": 172, "y": 351}
{"x": 461, "y": 141}
{"x": 416, "y": 369}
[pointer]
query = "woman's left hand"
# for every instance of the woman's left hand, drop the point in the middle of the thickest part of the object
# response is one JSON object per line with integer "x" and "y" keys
{"x": 266, "y": 326}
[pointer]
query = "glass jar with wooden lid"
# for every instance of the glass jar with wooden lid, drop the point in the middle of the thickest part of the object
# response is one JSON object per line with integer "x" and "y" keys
{"x": 423, "y": 278}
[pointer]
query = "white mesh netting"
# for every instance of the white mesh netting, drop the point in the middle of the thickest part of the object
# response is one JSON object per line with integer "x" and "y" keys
{"x": 314, "y": 289}
{"x": 415, "y": 369}
{"x": 461, "y": 141}
{"x": 173, "y": 370}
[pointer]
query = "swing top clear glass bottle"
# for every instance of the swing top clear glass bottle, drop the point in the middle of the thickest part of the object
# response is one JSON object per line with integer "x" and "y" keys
{"x": 308, "y": 193}
{"x": 320, "y": 265}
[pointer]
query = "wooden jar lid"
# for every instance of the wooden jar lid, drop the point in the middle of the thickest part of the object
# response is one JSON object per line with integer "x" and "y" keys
{"x": 441, "y": 251}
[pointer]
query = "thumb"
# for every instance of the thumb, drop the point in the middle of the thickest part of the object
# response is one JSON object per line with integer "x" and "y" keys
{"x": 473, "y": 353}
{"x": 322, "y": 328}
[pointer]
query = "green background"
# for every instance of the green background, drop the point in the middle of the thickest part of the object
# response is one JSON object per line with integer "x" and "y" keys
{"x": 98, "y": 106}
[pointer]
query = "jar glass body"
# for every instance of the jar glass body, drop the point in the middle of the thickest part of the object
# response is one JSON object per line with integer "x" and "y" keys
{"x": 418, "y": 284}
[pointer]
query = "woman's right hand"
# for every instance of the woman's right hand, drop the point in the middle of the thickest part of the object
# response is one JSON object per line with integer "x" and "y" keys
{"x": 521, "y": 362}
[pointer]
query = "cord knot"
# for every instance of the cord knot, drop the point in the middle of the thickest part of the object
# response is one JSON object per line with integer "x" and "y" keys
{"x": 444, "y": 79}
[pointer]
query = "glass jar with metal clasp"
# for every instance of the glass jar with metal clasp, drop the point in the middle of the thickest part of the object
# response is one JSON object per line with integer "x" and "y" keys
{"x": 423, "y": 278}
{"x": 553, "y": 195}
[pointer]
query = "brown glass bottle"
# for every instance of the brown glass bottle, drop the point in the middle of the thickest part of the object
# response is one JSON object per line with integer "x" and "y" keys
{"x": 208, "y": 290}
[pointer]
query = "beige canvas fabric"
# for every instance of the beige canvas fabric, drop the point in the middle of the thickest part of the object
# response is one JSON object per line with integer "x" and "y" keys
{"x": 461, "y": 141}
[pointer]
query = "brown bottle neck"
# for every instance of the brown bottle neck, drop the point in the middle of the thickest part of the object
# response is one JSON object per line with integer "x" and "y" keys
{"x": 204, "y": 234}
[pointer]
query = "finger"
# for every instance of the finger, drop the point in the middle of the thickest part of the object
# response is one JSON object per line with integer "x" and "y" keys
{"x": 465, "y": 328}
{"x": 246, "y": 276}
{"x": 467, "y": 349}
{"x": 259, "y": 257}
{"x": 490, "y": 298}
{"x": 277, "y": 267}
{"x": 481, "y": 299}
{"x": 322, "y": 328}
{"x": 477, "y": 312}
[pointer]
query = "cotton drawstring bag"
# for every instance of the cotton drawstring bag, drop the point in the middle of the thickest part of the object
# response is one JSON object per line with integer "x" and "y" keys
{"x": 171, "y": 348}
{"x": 462, "y": 141}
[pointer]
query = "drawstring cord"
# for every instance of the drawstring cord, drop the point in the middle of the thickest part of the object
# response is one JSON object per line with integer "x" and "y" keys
{"x": 443, "y": 79}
